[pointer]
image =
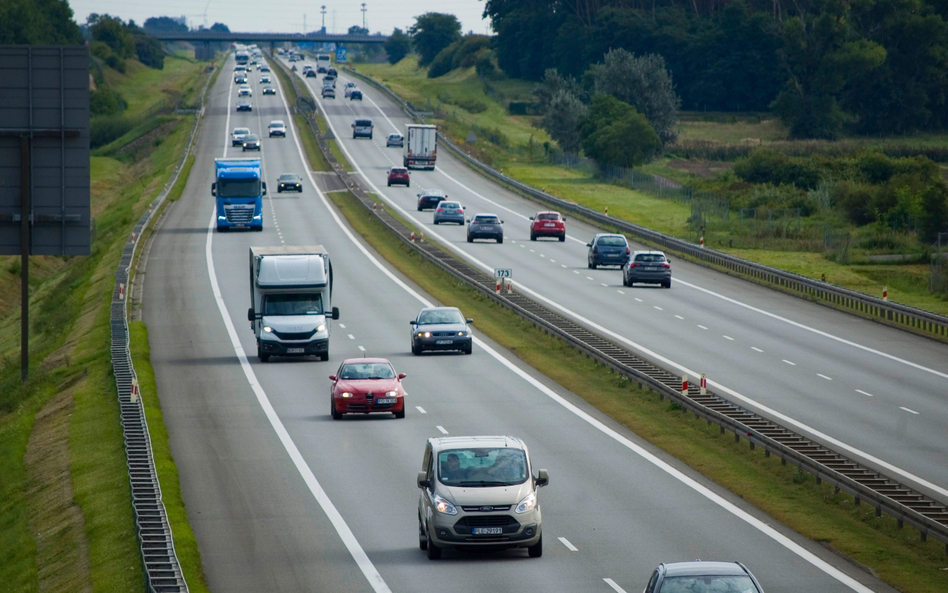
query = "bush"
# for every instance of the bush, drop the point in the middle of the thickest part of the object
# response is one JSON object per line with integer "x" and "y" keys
{"x": 615, "y": 133}
{"x": 465, "y": 55}
{"x": 105, "y": 101}
{"x": 484, "y": 66}
{"x": 116, "y": 63}
{"x": 767, "y": 166}
{"x": 471, "y": 105}
{"x": 105, "y": 129}
{"x": 441, "y": 64}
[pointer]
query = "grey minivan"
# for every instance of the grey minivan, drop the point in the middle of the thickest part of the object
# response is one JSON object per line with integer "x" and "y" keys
{"x": 362, "y": 128}
{"x": 479, "y": 492}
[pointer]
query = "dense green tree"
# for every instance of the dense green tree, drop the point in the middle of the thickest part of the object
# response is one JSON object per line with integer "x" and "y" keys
{"x": 163, "y": 24}
{"x": 357, "y": 30}
{"x": 113, "y": 33}
{"x": 562, "y": 119}
{"x": 220, "y": 28}
{"x": 553, "y": 82}
{"x": 432, "y": 32}
{"x": 614, "y": 133}
{"x": 397, "y": 46}
{"x": 38, "y": 22}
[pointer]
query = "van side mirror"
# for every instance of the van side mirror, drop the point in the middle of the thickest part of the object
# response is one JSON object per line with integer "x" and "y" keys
{"x": 264, "y": 188}
{"x": 214, "y": 189}
{"x": 401, "y": 376}
{"x": 335, "y": 312}
{"x": 543, "y": 478}
{"x": 422, "y": 480}
{"x": 250, "y": 314}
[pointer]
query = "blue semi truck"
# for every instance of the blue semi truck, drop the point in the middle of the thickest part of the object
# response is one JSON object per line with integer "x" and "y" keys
{"x": 239, "y": 191}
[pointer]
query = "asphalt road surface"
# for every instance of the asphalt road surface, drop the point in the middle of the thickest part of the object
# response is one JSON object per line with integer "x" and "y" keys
{"x": 282, "y": 498}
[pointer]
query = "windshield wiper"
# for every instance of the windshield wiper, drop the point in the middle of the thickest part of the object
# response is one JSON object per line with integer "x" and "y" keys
{"x": 484, "y": 483}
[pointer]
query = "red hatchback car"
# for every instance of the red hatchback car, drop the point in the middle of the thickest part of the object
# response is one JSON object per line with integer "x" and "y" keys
{"x": 547, "y": 224}
{"x": 398, "y": 175}
{"x": 366, "y": 385}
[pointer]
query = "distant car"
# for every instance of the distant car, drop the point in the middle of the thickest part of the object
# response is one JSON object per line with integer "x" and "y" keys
{"x": 485, "y": 226}
{"x": 441, "y": 328}
{"x": 355, "y": 95}
{"x": 245, "y": 91}
{"x": 399, "y": 176}
{"x": 366, "y": 385}
{"x": 547, "y": 224}
{"x": 307, "y": 67}
{"x": 395, "y": 140}
{"x": 269, "y": 90}
{"x": 647, "y": 267}
{"x": 265, "y": 79}
{"x": 237, "y": 138}
{"x": 329, "y": 92}
{"x": 321, "y": 69}
{"x": 449, "y": 212}
{"x": 430, "y": 198}
{"x": 264, "y": 68}
{"x": 309, "y": 74}
{"x": 277, "y": 128}
{"x": 329, "y": 80}
{"x": 289, "y": 182}
{"x": 332, "y": 72}
{"x": 702, "y": 577}
{"x": 240, "y": 79}
{"x": 607, "y": 249}
{"x": 349, "y": 87}
{"x": 362, "y": 128}
{"x": 251, "y": 142}
{"x": 244, "y": 106}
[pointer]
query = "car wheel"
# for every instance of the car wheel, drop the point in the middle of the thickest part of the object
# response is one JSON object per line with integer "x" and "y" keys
{"x": 533, "y": 237}
{"x": 420, "y": 208}
{"x": 562, "y": 237}
{"x": 593, "y": 265}
{"x": 625, "y": 281}
{"x": 370, "y": 136}
{"x": 390, "y": 185}
{"x": 263, "y": 357}
{"x": 422, "y": 538}
{"x": 500, "y": 239}
{"x": 400, "y": 414}
{"x": 434, "y": 552}
{"x": 408, "y": 184}
{"x": 667, "y": 283}
{"x": 324, "y": 356}
{"x": 536, "y": 550}
{"x": 332, "y": 409}
{"x": 468, "y": 349}
{"x": 469, "y": 239}
{"x": 416, "y": 350}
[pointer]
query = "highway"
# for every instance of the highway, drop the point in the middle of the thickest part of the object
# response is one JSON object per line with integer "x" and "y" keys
{"x": 282, "y": 498}
{"x": 875, "y": 393}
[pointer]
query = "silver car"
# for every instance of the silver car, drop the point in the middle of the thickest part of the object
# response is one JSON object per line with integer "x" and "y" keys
{"x": 447, "y": 211}
{"x": 702, "y": 577}
{"x": 479, "y": 492}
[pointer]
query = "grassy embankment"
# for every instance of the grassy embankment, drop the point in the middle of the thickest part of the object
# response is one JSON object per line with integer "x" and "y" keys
{"x": 65, "y": 511}
{"x": 513, "y": 144}
{"x": 790, "y": 496}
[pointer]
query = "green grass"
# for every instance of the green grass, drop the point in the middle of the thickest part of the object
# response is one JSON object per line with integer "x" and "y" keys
{"x": 185, "y": 543}
{"x": 143, "y": 87}
{"x": 340, "y": 156}
{"x": 317, "y": 161}
{"x": 178, "y": 188}
{"x": 896, "y": 556}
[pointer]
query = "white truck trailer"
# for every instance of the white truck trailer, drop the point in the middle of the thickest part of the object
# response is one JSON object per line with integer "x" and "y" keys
{"x": 421, "y": 147}
{"x": 291, "y": 300}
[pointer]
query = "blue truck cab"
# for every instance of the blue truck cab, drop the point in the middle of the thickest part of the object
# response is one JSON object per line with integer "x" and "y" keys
{"x": 239, "y": 192}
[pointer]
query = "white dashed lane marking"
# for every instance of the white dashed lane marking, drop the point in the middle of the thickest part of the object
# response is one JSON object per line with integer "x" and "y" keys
{"x": 351, "y": 337}
{"x": 702, "y": 327}
{"x": 362, "y": 348}
{"x": 420, "y": 409}
{"x": 441, "y": 428}
{"x": 568, "y": 545}
{"x": 866, "y": 393}
{"x": 728, "y": 338}
{"x": 614, "y": 586}
{"x": 679, "y": 317}
{"x": 908, "y": 410}
{"x": 657, "y": 307}
{"x": 824, "y": 376}
{"x": 756, "y": 349}
{"x": 793, "y": 364}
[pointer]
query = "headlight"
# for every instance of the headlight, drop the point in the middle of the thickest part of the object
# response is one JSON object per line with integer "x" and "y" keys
{"x": 427, "y": 334}
{"x": 444, "y": 506}
{"x": 267, "y": 328}
{"x": 462, "y": 333}
{"x": 321, "y": 328}
{"x": 346, "y": 394}
{"x": 527, "y": 503}
{"x": 391, "y": 394}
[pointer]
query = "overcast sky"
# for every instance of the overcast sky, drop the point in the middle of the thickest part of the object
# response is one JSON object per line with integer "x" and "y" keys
{"x": 287, "y": 15}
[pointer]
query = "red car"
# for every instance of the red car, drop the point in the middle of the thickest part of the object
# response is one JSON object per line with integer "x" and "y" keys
{"x": 398, "y": 175}
{"x": 366, "y": 385}
{"x": 547, "y": 224}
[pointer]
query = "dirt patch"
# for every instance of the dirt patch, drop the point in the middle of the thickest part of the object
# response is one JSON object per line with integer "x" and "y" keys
{"x": 55, "y": 520}
{"x": 701, "y": 168}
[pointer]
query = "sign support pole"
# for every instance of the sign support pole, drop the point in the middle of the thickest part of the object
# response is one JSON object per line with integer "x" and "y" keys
{"x": 25, "y": 258}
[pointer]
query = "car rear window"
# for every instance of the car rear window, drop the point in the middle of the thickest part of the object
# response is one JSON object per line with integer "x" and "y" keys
{"x": 650, "y": 257}
{"x": 486, "y": 220}
{"x": 454, "y": 205}
{"x": 548, "y": 216}
{"x": 241, "y": 130}
{"x": 363, "y": 122}
{"x": 612, "y": 241}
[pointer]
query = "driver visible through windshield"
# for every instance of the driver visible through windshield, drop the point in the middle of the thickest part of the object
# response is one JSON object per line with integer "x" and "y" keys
{"x": 293, "y": 304}
{"x": 367, "y": 370}
{"x": 482, "y": 467}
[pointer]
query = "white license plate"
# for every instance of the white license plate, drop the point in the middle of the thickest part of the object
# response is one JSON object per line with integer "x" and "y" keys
{"x": 444, "y": 341}
{"x": 487, "y": 530}
{"x": 386, "y": 400}
{"x": 549, "y": 224}
{"x": 295, "y": 350}
{"x": 651, "y": 269}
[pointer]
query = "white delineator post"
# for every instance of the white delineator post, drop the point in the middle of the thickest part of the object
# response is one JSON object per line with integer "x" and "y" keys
{"x": 684, "y": 385}
{"x": 498, "y": 286}
{"x": 508, "y": 285}
{"x": 885, "y": 293}
{"x": 704, "y": 384}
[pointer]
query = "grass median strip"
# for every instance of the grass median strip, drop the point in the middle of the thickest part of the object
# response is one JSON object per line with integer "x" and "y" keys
{"x": 789, "y": 495}
{"x": 316, "y": 159}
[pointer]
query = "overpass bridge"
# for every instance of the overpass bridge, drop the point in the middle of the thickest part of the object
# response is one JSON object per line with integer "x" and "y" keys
{"x": 203, "y": 40}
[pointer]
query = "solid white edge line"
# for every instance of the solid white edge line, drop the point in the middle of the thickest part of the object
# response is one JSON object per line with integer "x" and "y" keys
{"x": 368, "y": 569}
{"x": 766, "y": 529}
{"x": 615, "y": 587}
{"x": 568, "y": 545}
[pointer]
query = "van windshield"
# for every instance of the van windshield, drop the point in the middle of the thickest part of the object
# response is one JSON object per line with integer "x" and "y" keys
{"x": 482, "y": 467}
{"x": 238, "y": 188}
{"x": 293, "y": 304}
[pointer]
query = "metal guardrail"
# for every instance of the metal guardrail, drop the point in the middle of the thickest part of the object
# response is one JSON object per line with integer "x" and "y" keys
{"x": 162, "y": 570}
{"x": 886, "y": 495}
{"x": 903, "y": 316}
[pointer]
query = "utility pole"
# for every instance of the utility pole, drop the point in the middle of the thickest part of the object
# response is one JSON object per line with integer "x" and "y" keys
{"x": 304, "y": 23}
{"x": 323, "y": 12}
{"x": 364, "y": 30}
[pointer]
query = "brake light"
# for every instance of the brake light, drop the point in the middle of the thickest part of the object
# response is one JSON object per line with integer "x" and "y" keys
{"x": 628, "y": 251}
{"x": 440, "y": 209}
{"x": 666, "y": 265}
{"x": 631, "y": 265}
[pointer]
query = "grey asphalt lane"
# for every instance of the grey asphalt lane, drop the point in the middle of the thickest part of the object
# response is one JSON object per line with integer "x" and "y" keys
{"x": 623, "y": 506}
{"x": 873, "y": 391}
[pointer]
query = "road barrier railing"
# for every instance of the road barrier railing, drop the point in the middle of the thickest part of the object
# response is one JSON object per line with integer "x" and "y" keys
{"x": 163, "y": 572}
{"x": 866, "y": 485}
{"x": 902, "y": 316}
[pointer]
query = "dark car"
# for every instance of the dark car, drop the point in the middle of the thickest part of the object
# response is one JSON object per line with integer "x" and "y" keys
{"x": 607, "y": 250}
{"x": 485, "y": 226}
{"x": 702, "y": 577}
{"x": 647, "y": 267}
{"x": 251, "y": 142}
{"x": 269, "y": 90}
{"x": 449, "y": 212}
{"x": 332, "y": 72}
{"x": 547, "y": 224}
{"x": 441, "y": 328}
{"x": 289, "y": 182}
{"x": 244, "y": 106}
{"x": 355, "y": 95}
{"x": 430, "y": 198}
{"x": 399, "y": 176}
{"x": 310, "y": 74}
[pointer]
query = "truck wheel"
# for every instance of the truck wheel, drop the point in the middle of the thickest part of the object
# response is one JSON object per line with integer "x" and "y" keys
{"x": 263, "y": 357}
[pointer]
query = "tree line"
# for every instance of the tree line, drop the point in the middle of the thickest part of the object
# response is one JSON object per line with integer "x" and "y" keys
{"x": 825, "y": 67}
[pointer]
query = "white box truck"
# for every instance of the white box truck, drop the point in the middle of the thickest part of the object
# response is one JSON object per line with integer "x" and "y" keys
{"x": 421, "y": 147}
{"x": 291, "y": 300}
